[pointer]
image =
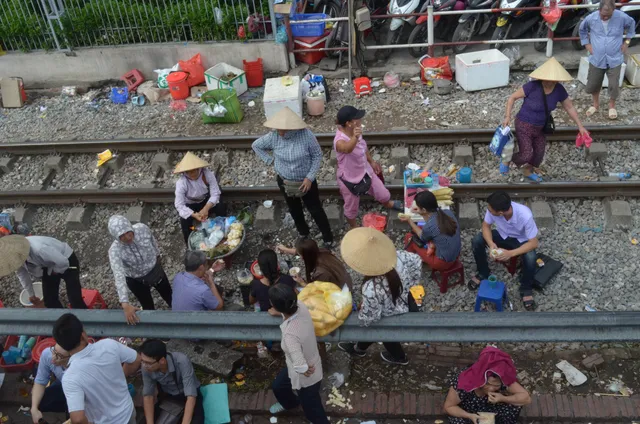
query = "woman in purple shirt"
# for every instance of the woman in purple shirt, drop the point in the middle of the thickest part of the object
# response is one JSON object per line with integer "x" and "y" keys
{"x": 533, "y": 115}
{"x": 197, "y": 193}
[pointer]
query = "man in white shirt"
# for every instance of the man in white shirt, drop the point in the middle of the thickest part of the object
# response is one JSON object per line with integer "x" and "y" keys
{"x": 95, "y": 383}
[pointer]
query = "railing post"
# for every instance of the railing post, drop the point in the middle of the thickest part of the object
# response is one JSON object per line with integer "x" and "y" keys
{"x": 351, "y": 35}
{"x": 272, "y": 16}
{"x": 549, "y": 42}
{"x": 430, "y": 38}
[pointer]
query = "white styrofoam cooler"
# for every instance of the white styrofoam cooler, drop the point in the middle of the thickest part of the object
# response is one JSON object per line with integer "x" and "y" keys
{"x": 482, "y": 70}
{"x": 633, "y": 70}
{"x": 277, "y": 95}
{"x": 213, "y": 74}
{"x": 583, "y": 72}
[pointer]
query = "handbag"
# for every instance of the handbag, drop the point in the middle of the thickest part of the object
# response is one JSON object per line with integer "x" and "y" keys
{"x": 292, "y": 188}
{"x": 155, "y": 276}
{"x": 360, "y": 188}
{"x": 549, "y": 124}
{"x": 170, "y": 409}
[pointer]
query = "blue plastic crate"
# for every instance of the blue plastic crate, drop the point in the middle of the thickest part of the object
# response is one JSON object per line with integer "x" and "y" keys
{"x": 410, "y": 184}
{"x": 313, "y": 29}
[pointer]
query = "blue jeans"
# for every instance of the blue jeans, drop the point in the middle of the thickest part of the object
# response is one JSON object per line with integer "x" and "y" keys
{"x": 307, "y": 397}
{"x": 528, "y": 260}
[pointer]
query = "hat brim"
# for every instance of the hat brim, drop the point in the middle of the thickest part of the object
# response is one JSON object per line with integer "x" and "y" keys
{"x": 14, "y": 250}
{"x": 368, "y": 251}
{"x": 360, "y": 113}
{"x": 190, "y": 162}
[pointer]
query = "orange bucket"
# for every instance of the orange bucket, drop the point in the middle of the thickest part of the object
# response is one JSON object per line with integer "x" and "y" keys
{"x": 178, "y": 85}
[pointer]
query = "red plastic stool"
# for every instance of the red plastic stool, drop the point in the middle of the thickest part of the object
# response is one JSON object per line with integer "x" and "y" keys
{"x": 93, "y": 299}
{"x": 457, "y": 268}
{"x": 512, "y": 265}
{"x": 133, "y": 79}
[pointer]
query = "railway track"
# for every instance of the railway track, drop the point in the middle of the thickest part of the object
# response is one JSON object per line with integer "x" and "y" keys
{"x": 239, "y": 194}
{"x": 326, "y": 140}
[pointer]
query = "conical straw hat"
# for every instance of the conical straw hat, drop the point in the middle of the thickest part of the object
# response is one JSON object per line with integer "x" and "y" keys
{"x": 285, "y": 119}
{"x": 368, "y": 251}
{"x": 14, "y": 251}
{"x": 190, "y": 162}
{"x": 551, "y": 70}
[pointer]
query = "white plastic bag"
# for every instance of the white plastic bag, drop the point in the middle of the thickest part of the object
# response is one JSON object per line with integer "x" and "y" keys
{"x": 163, "y": 74}
{"x": 216, "y": 110}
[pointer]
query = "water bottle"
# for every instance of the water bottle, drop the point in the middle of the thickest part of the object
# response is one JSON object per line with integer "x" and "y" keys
{"x": 31, "y": 342}
{"x": 21, "y": 341}
{"x": 25, "y": 353}
{"x": 256, "y": 307}
{"x": 620, "y": 175}
{"x": 8, "y": 358}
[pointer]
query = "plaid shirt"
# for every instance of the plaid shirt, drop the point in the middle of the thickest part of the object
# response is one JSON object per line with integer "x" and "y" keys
{"x": 297, "y": 155}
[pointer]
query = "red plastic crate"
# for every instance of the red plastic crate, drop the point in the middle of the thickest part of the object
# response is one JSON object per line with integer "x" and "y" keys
{"x": 27, "y": 365}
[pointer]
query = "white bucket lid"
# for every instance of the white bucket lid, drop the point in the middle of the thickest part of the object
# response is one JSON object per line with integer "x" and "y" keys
{"x": 24, "y": 295}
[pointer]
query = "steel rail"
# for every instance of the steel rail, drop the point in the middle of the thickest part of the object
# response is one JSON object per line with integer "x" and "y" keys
{"x": 414, "y": 327}
{"x": 240, "y": 194}
{"x": 629, "y": 132}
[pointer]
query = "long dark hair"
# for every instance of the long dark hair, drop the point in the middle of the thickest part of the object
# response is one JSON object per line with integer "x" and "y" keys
{"x": 427, "y": 200}
{"x": 268, "y": 262}
{"x": 395, "y": 283}
{"x": 309, "y": 251}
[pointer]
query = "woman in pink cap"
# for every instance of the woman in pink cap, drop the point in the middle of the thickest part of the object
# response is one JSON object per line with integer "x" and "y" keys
{"x": 356, "y": 168}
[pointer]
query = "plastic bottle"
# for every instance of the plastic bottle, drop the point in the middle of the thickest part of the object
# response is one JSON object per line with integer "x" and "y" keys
{"x": 25, "y": 353}
{"x": 262, "y": 350}
{"x": 621, "y": 175}
{"x": 256, "y": 307}
{"x": 8, "y": 358}
{"x": 21, "y": 341}
{"x": 31, "y": 342}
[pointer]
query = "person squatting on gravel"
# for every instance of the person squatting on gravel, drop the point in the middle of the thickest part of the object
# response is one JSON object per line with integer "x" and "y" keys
{"x": 516, "y": 234}
{"x": 389, "y": 275}
{"x": 135, "y": 261}
{"x": 602, "y": 33}
{"x": 534, "y": 120}
{"x": 490, "y": 385}
{"x": 38, "y": 257}
{"x": 47, "y": 394}
{"x": 297, "y": 157}
{"x": 197, "y": 193}
{"x": 357, "y": 172}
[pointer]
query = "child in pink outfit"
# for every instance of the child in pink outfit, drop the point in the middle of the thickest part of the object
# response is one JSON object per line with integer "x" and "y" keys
{"x": 354, "y": 162}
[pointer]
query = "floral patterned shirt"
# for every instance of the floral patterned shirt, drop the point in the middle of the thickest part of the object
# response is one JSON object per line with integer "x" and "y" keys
{"x": 377, "y": 301}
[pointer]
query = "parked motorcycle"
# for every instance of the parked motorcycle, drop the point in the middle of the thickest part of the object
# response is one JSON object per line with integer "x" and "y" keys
{"x": 633, "y": 11}
{"x": 396, "y": 26}
{"x": 513, "y": 24}
{"x": 569, "y": 22}
{"x": 576, "y": 29}
{"x": 470, "y": 25}
{"x": 443, "y": 25}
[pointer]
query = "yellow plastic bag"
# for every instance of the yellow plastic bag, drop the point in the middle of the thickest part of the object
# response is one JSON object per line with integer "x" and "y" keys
{"x": 328, "y": 304}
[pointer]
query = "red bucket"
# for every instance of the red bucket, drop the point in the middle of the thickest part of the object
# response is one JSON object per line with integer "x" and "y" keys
{"x": 254, "y": 73}
{"x": 178, "y": 85}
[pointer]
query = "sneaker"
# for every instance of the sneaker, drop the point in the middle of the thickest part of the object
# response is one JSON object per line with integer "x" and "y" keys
{"x": 350, "y": 348}
{"x": 386, "y": 356}
{"x": 276, "y": 408}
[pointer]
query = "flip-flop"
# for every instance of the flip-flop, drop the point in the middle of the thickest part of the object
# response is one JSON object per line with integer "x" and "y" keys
{"x": 398, "y": 206}
{"x": 535, "y": 178}
{"x": 613, "y": 114}
{"x": 530, "y": 305}
{"x": 591, "y": 111}
{"x": 472, "y": 285}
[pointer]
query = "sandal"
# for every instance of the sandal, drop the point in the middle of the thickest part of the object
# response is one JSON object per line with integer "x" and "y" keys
{"x": 398, "y": 206}
{"x": 613, "y": 114}
{"x": 535, "y": 178}
{"x": 591, "y": 111}
{"x": 474, "y": 283}
{"x": 530, "y": 305}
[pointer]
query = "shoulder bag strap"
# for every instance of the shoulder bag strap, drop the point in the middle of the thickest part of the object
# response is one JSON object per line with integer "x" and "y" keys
{"x": 204, "y": 178}
{"x": 546, "y": 106}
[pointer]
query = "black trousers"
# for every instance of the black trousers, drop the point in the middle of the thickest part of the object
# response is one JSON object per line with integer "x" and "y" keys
{"x": 53, "y": 399}
{"x": 394, "y": 348}
{"x": 308, "y": 397}
{"x": 218, "y": 210}
{"x": 314, "y": 205}
{"x": 198, "y": 411}
{"x": 71, "y": 277}
{"x": 142, "y": 292}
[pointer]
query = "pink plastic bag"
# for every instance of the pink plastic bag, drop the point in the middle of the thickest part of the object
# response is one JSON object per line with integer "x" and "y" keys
{"x": 583, "y": 140}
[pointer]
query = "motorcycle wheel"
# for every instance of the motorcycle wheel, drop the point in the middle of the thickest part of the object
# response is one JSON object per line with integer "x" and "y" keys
{"x": 463, "y": 33}
{"x": 391, "y": 39}
{"x": 541, "y": 33}
{"x": 576, "y": 33}
{"x": 330, "y": 7}
{"x": 419, "y": 35}
{"x": 498, "y": 34}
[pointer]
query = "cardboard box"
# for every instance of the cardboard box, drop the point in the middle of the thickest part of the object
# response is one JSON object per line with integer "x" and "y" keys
{"x": 282, "y": 8}
{"x": 11, "y": 93}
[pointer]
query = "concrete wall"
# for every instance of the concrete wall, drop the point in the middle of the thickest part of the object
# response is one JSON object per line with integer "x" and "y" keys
{"x": 43, "y": 70}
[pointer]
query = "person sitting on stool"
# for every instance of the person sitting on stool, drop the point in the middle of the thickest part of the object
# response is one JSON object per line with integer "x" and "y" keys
{"x": 173, "y": 373}
{"x": 53, "y": 361}
{"x": 197, "y": 193}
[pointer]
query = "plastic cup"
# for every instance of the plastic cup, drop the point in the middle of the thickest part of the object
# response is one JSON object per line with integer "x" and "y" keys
{"x": 493, "y": 281}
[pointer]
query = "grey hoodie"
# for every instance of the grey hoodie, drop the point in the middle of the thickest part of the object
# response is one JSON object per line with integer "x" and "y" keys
{"x": 133, "y": 260}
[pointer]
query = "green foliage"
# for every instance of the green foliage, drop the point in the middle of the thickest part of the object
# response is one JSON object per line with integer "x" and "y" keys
{"x": 88, "y": 23}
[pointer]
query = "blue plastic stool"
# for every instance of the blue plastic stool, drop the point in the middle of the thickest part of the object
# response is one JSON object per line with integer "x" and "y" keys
{"x": 494, "y": 295}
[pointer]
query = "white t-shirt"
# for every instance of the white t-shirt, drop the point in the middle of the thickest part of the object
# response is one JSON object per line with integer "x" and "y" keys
{"x": 95, "y": 382}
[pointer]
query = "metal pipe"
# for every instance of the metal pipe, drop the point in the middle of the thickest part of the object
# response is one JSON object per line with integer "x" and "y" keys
{"x": 456, "y": 43}
{"x": 323, "y": 49}
{"x": 416, "y": 327}
{"x": 430, "y": 36}
{"x": 549, "y": 42}
{"x": 350, "y": 39}
{"x": 319, "y": 20}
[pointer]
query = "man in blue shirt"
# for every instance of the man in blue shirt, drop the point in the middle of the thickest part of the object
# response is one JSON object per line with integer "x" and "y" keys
{"x": 194, "y": 289}
{"x": 49, "y": 399}
{"x": 603, "y": 35}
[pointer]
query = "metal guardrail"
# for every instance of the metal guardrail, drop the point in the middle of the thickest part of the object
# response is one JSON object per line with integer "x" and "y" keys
{"x": 412, "y": 327}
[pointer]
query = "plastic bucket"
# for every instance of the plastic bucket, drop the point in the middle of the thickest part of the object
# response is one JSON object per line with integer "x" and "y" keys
{"x": 254, "y": 73}
{"x": 315, "y": 105}
{"x": 178, "y": 85}
{"x": 464, "y": 175}
{"x": 24, "y": 296}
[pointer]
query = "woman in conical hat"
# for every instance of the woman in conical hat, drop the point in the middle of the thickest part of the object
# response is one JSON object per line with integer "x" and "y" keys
{"x": 197, "y": 193}
{"x": 533, "y": 119}
{"x": 296, "y": 155}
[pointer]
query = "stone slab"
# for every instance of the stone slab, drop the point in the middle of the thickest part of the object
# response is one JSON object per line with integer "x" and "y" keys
{"x": 542, "y": 214}
{"x": 268, "y": 219}
{"x": 400, "y": 158}
{"x": 597, "y": 151}
{"x": 394, "y": 223}
{"x": 335, "y": 214}
{"x": 617, "y": 214}
{"x": 333, "y": 158}
{"x": 463, "y": 155}
{"x": 137, "y": 214}
{"x": 148, "y": 185}
{"x": 7, "y": 164}
{"x": 208, "y": 355}
{"x": 469, "y": 216}
{"x": 337, "y": 362}
{"x": 593, "y": 360}
{"x": 162, "y": 161}
{"x": 24, "y": 215}
{"x": 79, "y": 218}
{"x": 55, "y": 163}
